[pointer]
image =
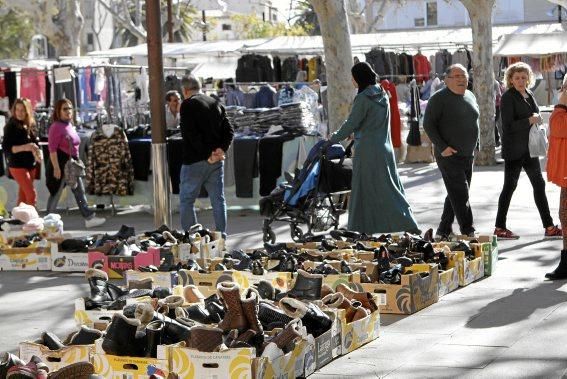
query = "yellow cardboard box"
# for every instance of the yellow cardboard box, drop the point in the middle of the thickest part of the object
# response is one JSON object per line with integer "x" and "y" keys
{"x": 91, "y": 317}
{"x": 36, "y": 257}
{"x": 230, "y": 364}
{"x": 448, "y": 281}
{"x": 332, "y": 280}
{"x": 279, "y": 280}
{"x": 207, "y": 282}
{"x": 413, "y": 294}
{"x": 469, "y": 271}
{"x": 161, "y": 279}
{"x": 56, "y": 359}
{"x": 288, "y": 366}
{"x": 112, "y": 366}
{"x": 359, "y": 332}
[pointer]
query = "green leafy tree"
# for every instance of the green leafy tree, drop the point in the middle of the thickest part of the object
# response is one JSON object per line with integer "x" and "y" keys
{"x": 16, "y": 34}
{"x": 306, "y": 17}
{"x": 250, "y": 26}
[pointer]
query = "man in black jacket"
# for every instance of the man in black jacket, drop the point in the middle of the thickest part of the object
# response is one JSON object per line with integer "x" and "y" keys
{"x": 451, "y": 122}
{"x": 207, "y": 135}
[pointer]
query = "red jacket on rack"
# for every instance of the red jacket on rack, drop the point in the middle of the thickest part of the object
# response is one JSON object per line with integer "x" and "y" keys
{"x": 395, "y": 120}
{"x": 421, "y": 67}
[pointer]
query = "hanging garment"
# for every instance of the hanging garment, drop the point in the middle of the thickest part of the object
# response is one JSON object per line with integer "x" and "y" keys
{"x": 277, "y": 62}
{"x": 265, "y": 97}
{"x": 421, "y": 67}
{"x": 395, "y": 118}
{"x": 109, "y": 165}
{"x": 11, "y": 86}
{"x": 290, "y": 66}
{"x": 142, "y": 82}
{"x": 2, "y": 84}
{"x": 32, "y": 85}
{"x": 285, "y": 95}
{"x": 414, "y": 136}
{"x": 234, "y": 96}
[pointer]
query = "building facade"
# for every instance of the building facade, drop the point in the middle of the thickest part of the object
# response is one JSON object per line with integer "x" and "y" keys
{"x": 446, "y": 14}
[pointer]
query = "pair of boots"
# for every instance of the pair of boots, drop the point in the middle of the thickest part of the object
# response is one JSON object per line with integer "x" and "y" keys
{"x": 561, "y": 271}
{"x": 241, "y": 312}
{"x": 104, "y": 293}
{"x": 353, "y": 309}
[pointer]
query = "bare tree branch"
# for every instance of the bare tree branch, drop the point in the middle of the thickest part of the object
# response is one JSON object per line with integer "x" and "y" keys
{"x": 139, "y": 32}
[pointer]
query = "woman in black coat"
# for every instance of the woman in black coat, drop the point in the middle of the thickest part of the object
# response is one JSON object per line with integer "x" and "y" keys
{"x": 520, "y": 113}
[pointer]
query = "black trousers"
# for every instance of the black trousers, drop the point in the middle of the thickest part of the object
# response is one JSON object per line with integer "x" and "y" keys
{"x": 457, "y": 173}
{"x": 512, "y": 169}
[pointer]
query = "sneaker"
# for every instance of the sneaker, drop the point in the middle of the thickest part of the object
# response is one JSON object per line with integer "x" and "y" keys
{"x": 94, "y": 221}
{"x": 553, "y": 232}
{"x": 505, "y": 234}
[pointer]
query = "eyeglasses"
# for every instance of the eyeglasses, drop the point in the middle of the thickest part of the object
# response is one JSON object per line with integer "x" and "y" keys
{"x": 67, "y": 108}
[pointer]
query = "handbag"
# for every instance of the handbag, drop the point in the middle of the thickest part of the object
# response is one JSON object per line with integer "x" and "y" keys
{"x": 73, "y": 170}
{"x": 537, "y": 142}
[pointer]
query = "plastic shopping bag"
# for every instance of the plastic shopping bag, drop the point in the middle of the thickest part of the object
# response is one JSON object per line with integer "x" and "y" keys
{"x": 537, "y": 142}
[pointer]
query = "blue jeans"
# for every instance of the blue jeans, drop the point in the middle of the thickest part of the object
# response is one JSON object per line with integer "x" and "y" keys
{"x": 194, "y": 176}
{"x": 80, "y": 197}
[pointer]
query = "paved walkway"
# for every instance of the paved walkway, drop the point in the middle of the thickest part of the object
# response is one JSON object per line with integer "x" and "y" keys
{"x": 510, "y": 325}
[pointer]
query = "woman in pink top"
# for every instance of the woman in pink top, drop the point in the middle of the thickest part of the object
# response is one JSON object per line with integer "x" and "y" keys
{"x": 63, "y": 143}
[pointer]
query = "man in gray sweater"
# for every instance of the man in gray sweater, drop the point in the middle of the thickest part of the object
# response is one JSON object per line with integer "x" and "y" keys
{"x": 451, "y": 122}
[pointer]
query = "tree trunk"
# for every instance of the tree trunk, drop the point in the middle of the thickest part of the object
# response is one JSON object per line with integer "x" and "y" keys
{"x": 480, "y": 14}
{"x": 338, "y": 58}
{"x": 70, "y": 23}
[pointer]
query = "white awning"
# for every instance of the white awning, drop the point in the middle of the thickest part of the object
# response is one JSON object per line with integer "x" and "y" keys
{"x": 531, "y": 44}
{"x": 221, "y": 68}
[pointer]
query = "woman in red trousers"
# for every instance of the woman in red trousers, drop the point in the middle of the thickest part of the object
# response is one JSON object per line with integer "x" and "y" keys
{"x": 20, "y": 145}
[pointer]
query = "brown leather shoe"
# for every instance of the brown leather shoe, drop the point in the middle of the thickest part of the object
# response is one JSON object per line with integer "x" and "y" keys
{"x": 365, "y": 298}
{"x": 205, "y": 338}
{"x": 326, "y": 290}
{"x": 285, "y": 339}
{"x": 234, "y": 317}
{"x": 192, "y": 294}
{"x": 359, "y": 312}
{"x": 250, "y": 308}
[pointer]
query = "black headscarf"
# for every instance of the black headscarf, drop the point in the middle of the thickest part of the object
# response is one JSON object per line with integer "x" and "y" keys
{"x": 364, "y": 75}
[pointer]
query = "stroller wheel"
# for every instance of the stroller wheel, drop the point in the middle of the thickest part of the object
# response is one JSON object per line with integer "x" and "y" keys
{"x": 296, "y": 233}
{"x": 269, "y": 236}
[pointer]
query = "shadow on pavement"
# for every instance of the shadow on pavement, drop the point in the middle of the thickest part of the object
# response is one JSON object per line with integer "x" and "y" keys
{"x": 518, "y": 306}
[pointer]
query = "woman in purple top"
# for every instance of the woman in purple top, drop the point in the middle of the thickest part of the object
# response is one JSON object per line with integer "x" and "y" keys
{"x": 63, "y": 143}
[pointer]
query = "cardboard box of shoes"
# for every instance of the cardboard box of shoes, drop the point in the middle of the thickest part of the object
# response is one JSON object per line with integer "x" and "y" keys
{"x": 332, "y": 280}
{"x": 470, "y": 270}
{"x": 116, "y": 265}
{"x": 207, "y": 282}
{"x": 288, "y": 366}
{"x": 69, "y": 262}
{"x": 35, "y": 257}
{"x": 56, "y": 359}
{"x": 448, "y": 281}
{"x": 97, "y": 319}
{"x": 112, "y": 366}
{"x": 416, "y": 291}
{"x": 193, "y": 364}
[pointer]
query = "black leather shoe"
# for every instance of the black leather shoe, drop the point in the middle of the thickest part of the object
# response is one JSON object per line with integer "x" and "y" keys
{"x": 271, "y": 316}
{"x": 197, "y": 312}
{"x": 257, "y": 268}
{"x": 120, "y": 337}
{"x": 345, "y": 268}
{"x": 312, "y": 317}
{"x": 154, "y": 333}
{"x": 173, "y": 331}
{"x": 85, "y": 336}
{"x": 307, "y": 286}
{"x": 215, "y": 309}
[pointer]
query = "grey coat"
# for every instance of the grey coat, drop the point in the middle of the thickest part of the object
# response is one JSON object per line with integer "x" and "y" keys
{"x": 377, "y": 203}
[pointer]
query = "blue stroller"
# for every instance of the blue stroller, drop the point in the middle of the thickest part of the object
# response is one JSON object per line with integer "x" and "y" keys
{"x": 316, "y": 197}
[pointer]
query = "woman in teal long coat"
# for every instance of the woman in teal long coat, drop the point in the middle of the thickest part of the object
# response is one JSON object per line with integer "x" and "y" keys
{"x": 378, "y": 203}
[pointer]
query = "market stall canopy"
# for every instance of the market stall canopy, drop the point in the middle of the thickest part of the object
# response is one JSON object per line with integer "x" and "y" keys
{"x": 221, "y": 68}
{"x": 223, "y": 47}
{"x": 531, "y": 44}
{"x": 138, "y": 50}
{"x": 410, "y": 40}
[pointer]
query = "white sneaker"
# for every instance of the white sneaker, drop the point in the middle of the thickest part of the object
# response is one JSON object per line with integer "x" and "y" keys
{"x": 94, "y": 222}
